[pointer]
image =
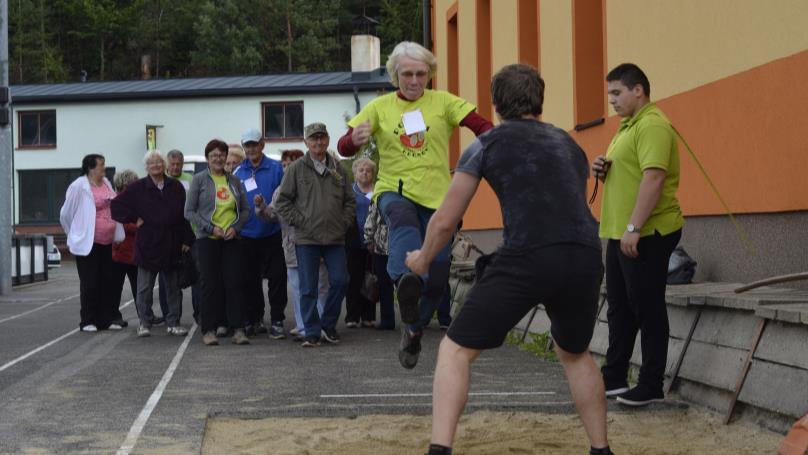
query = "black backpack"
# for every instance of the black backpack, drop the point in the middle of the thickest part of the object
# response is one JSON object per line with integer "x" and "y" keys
{"x": 681, "y": 267}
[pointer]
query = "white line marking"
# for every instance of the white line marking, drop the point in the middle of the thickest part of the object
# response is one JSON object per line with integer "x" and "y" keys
{"x": 145, "y": 413}
{"x": 38, "y": 308}
{"x": 48, "y": 344}
{"x": 472, "y": 394}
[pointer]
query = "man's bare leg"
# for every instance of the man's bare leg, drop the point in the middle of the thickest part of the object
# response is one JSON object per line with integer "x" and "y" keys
{"x": 588, "y": 392}
{"x": 450, "y": 389}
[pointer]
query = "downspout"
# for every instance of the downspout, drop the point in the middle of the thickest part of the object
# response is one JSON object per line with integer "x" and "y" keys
{"x": 427, "y": 13}
{"x": 356, "y": 98}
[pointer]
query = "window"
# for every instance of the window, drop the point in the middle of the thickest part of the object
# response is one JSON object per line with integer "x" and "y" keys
{"x": 42, "y": 193}
{"x": 588, "y": 63}
{"x": 453, "y": 78}
{"x": 283, "y": 121}
{"x": 528, "y": 32}
{"x": 37, "y": 129}
{"x": 484, "y": 58}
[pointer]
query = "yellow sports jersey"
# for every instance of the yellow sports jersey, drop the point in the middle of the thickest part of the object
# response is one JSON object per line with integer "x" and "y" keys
{"x": 416, "y": 164}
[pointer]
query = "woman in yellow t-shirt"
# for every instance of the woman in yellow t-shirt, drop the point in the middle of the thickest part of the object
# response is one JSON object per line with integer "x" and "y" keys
{"x": 411, "y": 128}
{"x": 216, "y": 204}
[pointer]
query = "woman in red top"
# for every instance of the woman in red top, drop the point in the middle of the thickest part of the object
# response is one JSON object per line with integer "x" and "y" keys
{"x": 123, "y": 254}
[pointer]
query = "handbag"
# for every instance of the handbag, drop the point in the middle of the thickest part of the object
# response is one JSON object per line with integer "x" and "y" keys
{"x": 370, "y": 287}
{"x": 187, "y": 273}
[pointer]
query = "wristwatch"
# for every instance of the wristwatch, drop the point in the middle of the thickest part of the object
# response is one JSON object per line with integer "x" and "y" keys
{"x": 632, "y": 229}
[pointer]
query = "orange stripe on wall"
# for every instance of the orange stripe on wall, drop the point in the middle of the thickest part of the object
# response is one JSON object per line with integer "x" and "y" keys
{"x": 747, "y": 130}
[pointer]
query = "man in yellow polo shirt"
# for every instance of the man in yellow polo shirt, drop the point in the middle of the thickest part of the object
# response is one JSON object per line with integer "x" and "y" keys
{"x": 642, "y": 222}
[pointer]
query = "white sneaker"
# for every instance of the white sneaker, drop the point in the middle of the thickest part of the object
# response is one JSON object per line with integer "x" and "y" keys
{"x": 177, "y": 330}
{"x": 115, "y": 327}
{"x": 293, "y": 331}
{"x": 143, "y": 331}
{"x": 89, "y": 328}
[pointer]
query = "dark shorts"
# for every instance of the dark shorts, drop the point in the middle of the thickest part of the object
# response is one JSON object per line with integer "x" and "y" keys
{"x": 565, "y": 278}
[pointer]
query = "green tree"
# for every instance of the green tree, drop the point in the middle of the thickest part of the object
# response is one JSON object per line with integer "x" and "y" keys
{"x": 306, "y": 37}
{"x": 227, "y": 41}
{"x": 34, "y": 56}
{"x": 399, "y": 20}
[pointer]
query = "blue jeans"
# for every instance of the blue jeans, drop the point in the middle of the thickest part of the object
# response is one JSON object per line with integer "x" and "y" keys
{"x": 407, "y": 223}
{"x": 294, "y": 282}
{"x": 308, "y": 269}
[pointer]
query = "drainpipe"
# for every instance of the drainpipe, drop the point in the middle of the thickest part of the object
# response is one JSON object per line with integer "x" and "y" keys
{"x": 356, "y": 98}
{"x": 427, "y": 24}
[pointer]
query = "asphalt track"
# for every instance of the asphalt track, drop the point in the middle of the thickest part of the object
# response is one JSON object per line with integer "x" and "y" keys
{"x": 64, "y": 391}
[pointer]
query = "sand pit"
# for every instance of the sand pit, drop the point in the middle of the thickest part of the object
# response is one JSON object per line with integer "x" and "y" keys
{"x": 663, "y": 432}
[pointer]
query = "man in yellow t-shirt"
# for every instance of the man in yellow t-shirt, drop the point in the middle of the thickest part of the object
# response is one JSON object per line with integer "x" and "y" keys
{"x": 411, "y": 128}
{"x": 642, "y": 222}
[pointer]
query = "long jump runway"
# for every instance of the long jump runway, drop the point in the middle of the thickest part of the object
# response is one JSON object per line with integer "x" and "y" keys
{"x": 63, "y": 391}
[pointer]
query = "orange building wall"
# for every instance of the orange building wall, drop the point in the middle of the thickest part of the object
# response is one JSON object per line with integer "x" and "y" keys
{"x": 742, "y": 114}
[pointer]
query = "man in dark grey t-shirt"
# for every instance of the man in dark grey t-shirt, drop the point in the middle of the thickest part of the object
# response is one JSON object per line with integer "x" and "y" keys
{"x": 550, "y": 254}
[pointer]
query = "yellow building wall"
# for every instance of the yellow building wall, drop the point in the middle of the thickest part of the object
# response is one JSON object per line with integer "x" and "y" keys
{"x": 684, "y": 44}
{"x": 728, "y": 73}
{"x": 504, "y": 42}
{"x": 556, "y": 62}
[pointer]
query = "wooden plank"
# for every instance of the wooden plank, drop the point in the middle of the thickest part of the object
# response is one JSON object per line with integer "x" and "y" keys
{"x": 682, "y": 353}
{"x": 745, "y": 369}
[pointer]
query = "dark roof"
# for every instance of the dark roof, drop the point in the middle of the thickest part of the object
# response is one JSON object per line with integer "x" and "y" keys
{"x": 344, "y": 81}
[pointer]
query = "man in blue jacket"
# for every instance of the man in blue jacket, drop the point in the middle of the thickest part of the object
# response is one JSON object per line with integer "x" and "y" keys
{"x": 262, "y": 241}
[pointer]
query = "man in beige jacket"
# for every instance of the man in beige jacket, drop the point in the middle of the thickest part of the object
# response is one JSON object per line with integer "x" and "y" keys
{"x": 316, "y": 199}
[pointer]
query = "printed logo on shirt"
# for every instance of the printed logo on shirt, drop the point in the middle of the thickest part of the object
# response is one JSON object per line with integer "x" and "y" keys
{"x": 223, "y": 193}
{"x": 414, "y": 144}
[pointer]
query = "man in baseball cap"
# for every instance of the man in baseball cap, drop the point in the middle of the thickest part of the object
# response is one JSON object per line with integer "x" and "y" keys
{"x": 261, "y": 175}
{"x": 317, "y": 199}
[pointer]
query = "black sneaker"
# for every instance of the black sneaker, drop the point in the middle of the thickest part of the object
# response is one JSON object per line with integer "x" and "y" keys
{"x": 613, "y": 389}
{"x": 259, "y": 328}
{"x": 603, "y": 451}
{"x": 640, "y": 396}
{"x": 158, "y": 321}
{"x": 330, "y": 335}
{"x": 311, "y": 342}
{"x": 409, "y": 348}
{"x": 408, "y": 292}
{"x": 276, "y": 331}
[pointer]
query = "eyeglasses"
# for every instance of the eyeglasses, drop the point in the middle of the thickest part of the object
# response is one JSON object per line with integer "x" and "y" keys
{"x": 410, "y": 74}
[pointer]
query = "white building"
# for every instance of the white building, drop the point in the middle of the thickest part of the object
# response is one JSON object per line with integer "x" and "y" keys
{"x": 55, "y": 125}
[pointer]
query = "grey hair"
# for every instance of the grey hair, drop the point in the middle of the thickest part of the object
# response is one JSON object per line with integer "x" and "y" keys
{"x": 235, "y": 149}
{"x": 414, "y": 51}
{"x": 362, "y": 162}
{"x": 124, "y": 178}
{"x": 174, "y": 153}
{"x": 151, "y": 154}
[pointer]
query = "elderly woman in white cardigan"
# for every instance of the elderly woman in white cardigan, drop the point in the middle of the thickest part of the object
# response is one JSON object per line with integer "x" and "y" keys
{"x": 87, "y": 221}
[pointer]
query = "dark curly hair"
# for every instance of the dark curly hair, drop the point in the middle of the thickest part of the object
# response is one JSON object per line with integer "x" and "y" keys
{"x": 517, "y": 90}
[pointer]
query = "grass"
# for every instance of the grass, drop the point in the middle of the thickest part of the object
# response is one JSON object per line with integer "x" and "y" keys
{"x": 537, "y": 343}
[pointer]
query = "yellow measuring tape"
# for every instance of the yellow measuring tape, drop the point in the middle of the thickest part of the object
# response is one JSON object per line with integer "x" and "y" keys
{"x": 741, "y": 233}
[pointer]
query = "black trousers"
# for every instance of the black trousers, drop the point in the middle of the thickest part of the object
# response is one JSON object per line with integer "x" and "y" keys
{"x": 387, "y": 315}
{"x": 221, "y": 268}
{"x": 98, "y": 306}
{"x": 120, "y": 272}
{"x": 263, "y": 258}
{"x": 635, "y": 290}
{"x": 357, "y": 307}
